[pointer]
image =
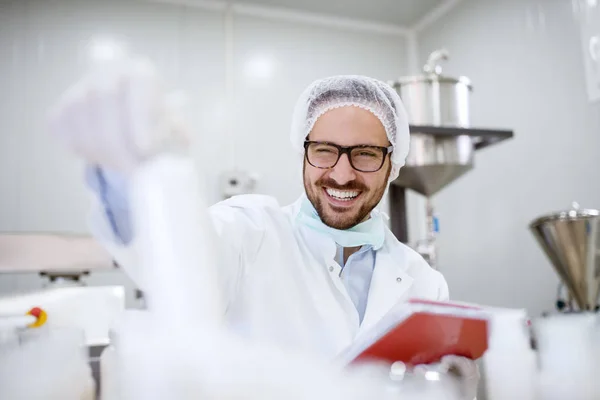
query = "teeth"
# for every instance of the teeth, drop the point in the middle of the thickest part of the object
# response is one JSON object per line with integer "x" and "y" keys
{"x": 341, "y": 195}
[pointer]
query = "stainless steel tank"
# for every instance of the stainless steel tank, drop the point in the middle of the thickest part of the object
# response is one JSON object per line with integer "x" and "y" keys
{"x": 434, "y": 161}
{"x": 433, "y": 99}
{"x": 436, "y": 99}
{"x": 571, "y": 241}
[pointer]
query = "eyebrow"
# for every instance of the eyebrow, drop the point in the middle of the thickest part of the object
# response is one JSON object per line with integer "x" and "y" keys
{"x": 350, "y": 145}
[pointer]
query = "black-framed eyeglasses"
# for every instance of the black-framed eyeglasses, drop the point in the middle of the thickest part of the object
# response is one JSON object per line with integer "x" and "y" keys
{"x": 363, "y": 158}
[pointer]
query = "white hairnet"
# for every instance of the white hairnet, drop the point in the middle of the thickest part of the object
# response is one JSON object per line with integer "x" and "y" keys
{"x": 359, "y": 91}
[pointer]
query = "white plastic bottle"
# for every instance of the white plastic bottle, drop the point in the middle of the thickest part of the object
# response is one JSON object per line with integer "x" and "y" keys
{"x": 568, "y": 358}
{"x": 510, "y": 364}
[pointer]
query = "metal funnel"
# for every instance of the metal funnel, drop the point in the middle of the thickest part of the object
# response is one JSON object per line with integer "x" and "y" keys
{"x": 571, "y": 241}
{"x": 433, "y": 162}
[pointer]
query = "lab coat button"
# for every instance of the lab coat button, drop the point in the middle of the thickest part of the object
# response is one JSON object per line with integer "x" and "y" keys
{"x": 330, "y": 269}
{"x": 398, "y": 279}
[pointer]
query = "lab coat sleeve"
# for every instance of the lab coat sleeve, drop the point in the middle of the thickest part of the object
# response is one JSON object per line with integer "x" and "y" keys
{"x": 428, "y": 282}
{"x": 443, "y": 292}
{"x": 240, "y": 225}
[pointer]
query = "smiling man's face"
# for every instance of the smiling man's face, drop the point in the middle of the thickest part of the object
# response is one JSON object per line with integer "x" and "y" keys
{"x": 343, "y": 196}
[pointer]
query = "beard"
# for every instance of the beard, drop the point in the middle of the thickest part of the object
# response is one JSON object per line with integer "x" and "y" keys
{"x": 342, "y": 218}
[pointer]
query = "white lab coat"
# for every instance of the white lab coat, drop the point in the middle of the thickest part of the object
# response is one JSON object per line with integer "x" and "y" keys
{"x": 281, "y": 281}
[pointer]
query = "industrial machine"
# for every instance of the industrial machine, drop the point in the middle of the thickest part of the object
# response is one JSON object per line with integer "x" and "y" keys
{"x": 571, "y": 241}
{"x": 442, "y": 143}
{"x": 78, "y": 314}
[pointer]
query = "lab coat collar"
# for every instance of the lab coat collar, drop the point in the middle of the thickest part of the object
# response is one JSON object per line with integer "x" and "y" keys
{"x": 390, "y": 282}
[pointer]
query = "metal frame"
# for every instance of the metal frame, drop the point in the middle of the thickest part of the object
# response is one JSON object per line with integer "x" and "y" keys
{"x": 397, "y": 194}
{"x": 482, "y": 137}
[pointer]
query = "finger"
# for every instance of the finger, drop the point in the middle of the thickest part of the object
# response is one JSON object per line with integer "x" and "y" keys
{"x": 461, "y": 365}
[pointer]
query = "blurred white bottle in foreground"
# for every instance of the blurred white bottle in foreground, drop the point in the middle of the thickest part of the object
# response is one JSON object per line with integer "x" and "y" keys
{"x": 568, "y": 355}
{"x": 510, "y": 363}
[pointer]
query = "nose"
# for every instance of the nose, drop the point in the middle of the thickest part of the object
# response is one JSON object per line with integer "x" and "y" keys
{"x": 343, "y": 172}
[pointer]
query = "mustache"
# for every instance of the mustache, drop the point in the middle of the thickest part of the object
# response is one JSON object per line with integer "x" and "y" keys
{"x": 352, "y": 185}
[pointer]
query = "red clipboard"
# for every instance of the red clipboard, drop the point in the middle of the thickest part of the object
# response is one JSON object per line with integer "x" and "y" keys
{"x": 429, "y": 331}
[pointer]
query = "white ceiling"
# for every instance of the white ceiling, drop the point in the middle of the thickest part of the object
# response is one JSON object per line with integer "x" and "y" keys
{"x": 397, "y": 12}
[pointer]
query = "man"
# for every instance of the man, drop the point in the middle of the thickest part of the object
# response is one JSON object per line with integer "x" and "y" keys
{"x": 313, "y": 275}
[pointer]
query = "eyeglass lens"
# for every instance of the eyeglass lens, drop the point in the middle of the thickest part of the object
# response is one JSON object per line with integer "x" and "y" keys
{"x": 365, "y": 159}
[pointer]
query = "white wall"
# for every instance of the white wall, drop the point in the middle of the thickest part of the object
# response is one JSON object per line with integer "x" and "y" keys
{"x": 300, "y": 55}
{"x": 43, "y": 48}
{"x": 525, "y": 60}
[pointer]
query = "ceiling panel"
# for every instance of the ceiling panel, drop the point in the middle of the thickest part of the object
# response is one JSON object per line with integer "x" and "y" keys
{"x": 397, "y": 12}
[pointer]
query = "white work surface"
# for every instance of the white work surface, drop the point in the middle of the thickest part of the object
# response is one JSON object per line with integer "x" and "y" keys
{"x": 30, "y": 252}
{"x": 90, "y": 309}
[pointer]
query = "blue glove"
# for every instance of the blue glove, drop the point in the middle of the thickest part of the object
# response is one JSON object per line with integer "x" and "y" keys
{"x": 111, "y": 189}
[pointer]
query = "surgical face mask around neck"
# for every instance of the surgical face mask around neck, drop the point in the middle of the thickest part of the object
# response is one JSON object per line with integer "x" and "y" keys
{"x": 370, "y": 232}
